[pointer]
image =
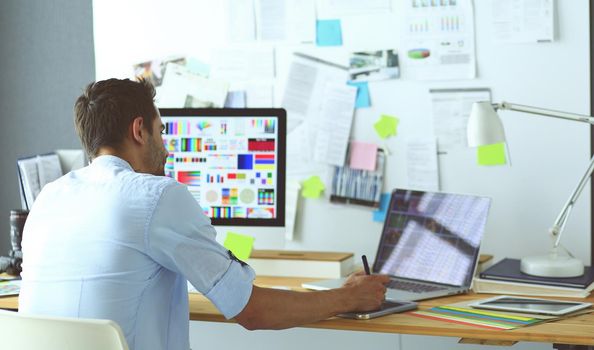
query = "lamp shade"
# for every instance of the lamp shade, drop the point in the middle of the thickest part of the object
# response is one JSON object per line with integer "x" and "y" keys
{"x": 484, "y": 126}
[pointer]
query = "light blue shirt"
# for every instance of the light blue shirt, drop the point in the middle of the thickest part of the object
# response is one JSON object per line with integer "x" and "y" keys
{"x": 107, "y": 242}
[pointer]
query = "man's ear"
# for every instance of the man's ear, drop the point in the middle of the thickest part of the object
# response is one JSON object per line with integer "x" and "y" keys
{"x": 137, "y": 130}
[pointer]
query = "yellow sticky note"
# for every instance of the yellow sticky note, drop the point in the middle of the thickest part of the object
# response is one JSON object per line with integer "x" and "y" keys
{"x": 491, "y": 154}
{"x": 239, "y": 245}
{"x": 386, "y": 126}
{"x": 312, "y": 187}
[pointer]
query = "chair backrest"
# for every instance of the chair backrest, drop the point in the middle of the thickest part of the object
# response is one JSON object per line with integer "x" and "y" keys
{"x": 29, "y": 332}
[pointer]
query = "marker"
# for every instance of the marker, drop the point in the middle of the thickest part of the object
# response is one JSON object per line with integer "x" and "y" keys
{"x": 365, "y": 265}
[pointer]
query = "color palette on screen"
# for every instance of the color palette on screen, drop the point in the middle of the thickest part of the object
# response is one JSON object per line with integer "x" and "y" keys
{"x": 265, "y": 196}
{"x": 219, "y": 212}
{"x": 178, "y": 128}
{"x": 191, "y": 144}
{"x": 229, "y": 196}
{"x": 264, "y": 161}
{"x": 191, "y": 178}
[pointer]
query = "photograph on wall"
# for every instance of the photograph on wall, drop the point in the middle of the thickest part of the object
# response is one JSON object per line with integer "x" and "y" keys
{"x": 374, "y": 65}
{"x": 154, "y": 70}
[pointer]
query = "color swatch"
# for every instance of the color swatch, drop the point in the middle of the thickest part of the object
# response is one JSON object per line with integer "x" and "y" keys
{"x": 191, "y": 144}
{"x": 191, "y": 178}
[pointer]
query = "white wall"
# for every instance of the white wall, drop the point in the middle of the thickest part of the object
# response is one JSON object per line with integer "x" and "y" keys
{"x": 547, "y": 156}
{"x": 46, "y": 59}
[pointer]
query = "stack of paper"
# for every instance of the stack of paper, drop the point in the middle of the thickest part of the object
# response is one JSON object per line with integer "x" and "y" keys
{"x": 478, "y": 318}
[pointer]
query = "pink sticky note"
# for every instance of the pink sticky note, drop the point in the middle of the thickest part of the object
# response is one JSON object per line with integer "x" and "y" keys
{"x": 363, "y": 155}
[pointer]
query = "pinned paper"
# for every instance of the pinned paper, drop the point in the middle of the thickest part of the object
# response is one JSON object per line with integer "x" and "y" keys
{"x": 312, "y": 187}
{"x": 235, "y": 99}
{"x": 239, "y": 245}
{"x": 328, "y": 32}
{"x": 362, "y": 99}
{"x": 291, "y": 203}
{"x": 196, "y": 66}
{"x": 386, "y": 126}
{"x": 491, "y": 154}
{"x": 362, "y": 155}
{"x": 380, "y": 214}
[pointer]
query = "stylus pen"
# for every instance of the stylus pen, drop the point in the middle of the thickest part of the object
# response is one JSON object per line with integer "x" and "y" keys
{"x": 365, "y": 265}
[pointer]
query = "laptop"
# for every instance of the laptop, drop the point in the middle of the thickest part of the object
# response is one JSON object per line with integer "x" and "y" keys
{"x": 429, "y": 244}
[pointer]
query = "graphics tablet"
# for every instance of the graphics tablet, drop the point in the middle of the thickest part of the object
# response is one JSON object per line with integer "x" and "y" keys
{"x": 388, "y": 307}
{"x": 530, "y": 305}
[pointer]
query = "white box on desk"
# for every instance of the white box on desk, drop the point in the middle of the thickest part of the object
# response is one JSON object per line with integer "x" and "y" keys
{"x": 289, "y": 263}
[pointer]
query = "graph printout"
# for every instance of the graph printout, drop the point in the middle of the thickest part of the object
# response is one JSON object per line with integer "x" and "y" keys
{"x": 432, "y": 236}
{"x": 228, "y": 163}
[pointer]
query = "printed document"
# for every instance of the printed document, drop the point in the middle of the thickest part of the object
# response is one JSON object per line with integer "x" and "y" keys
{"x": 521, "y": 21}
{"x": 451, "y": 110}
{"x": 438, "y": 41}
{"x": 334, "y": 125}
{"x": 421, "y": 163}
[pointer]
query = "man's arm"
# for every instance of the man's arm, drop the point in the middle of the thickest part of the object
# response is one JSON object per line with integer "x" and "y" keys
{"x": 277, "y": 309}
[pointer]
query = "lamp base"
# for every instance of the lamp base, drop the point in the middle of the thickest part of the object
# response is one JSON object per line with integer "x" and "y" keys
{"x": 552, "y": 265}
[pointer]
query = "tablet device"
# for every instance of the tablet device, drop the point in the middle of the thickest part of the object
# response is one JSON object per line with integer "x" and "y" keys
{"x": 530, "y": 305}
{"x": 388, "y": 307}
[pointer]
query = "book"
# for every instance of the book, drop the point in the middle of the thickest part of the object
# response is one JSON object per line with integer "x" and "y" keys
{"x": 288, "y": 263}
{"x": 8, "y": 288}
{"x": 37, "y": 171}
{"x": 480, "y": 285}
{"x": 509, "y": 270}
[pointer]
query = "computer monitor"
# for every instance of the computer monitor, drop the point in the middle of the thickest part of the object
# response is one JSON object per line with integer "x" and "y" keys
{"x": 232, "y": 160}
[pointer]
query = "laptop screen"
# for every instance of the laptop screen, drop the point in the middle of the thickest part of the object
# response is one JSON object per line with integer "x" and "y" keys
{"x": 432, "y": 237}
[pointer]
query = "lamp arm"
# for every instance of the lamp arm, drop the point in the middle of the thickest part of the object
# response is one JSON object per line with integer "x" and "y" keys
{"x": 561, "y": 220}
{"x": 545, "y": 112}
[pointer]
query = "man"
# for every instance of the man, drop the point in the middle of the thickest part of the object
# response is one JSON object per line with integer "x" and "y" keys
{"x": 118, "y": 240}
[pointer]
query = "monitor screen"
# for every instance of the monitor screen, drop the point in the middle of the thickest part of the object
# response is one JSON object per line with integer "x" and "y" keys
{"x": 232, "y": 160}
{"x": 432, "y": 236}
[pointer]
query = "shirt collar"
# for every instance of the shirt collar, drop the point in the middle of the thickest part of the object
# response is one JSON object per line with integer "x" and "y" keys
{"x": 110, "y": 160}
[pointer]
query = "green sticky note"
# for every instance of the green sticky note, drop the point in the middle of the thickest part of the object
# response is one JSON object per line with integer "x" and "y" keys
{"x": 491, "y": 154}
{"x": 312, "y": 187}
{"x": 386, "y": 126}
{"x": 239, "y": 245}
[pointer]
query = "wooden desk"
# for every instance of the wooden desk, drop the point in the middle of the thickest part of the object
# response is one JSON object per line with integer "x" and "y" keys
{"x": 577, "y": 330}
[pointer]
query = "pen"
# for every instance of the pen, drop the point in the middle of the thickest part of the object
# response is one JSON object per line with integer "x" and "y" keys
{"x": 365, "y": 265}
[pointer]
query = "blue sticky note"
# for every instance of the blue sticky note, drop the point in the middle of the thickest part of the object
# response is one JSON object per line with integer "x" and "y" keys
{"x": 380, "y": 214}
{"x": 328, "y": 32}
{"x": 362, "y": 99}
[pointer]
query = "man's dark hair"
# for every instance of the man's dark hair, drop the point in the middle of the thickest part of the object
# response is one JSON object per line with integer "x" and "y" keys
{"x": 103, "y": 113}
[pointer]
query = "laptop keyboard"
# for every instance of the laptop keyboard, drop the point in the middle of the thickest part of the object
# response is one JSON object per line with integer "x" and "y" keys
{"x": 413, "y": 286}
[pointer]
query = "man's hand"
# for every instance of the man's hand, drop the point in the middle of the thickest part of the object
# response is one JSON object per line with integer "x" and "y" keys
{"x": 367, "y": 292}
{"x": 277, "y": 309}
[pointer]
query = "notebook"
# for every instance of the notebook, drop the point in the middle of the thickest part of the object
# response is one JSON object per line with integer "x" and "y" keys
{"x": 509, "y": 270}
{"x": 429, "y": 244}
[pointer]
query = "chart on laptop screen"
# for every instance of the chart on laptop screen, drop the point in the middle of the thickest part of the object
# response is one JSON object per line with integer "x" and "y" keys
{"x": 228, "y": 163}
{"x": 432, "y": 236}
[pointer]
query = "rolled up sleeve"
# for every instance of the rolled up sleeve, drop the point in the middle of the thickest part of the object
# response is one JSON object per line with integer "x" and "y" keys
{"x": 180, "y": 238}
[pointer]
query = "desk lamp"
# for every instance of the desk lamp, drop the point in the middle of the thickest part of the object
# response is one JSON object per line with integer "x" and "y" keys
{"x": 485, "y": 128}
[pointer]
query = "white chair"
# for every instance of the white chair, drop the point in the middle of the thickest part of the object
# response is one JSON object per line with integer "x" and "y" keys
{"x": 18, "y": 331}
